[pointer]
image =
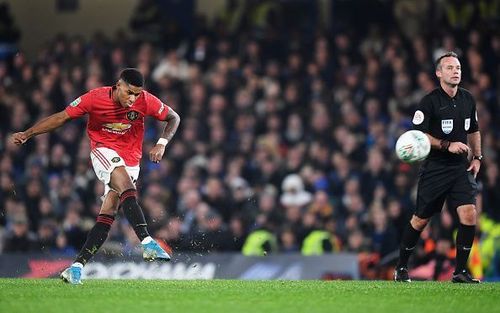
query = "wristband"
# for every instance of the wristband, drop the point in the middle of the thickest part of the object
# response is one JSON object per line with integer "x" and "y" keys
{"x": 162, "y": 141}
{"x": 478, "y": 157}
{"x": 445, "y": 144}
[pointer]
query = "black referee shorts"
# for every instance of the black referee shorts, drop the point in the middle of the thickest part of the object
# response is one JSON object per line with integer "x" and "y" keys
{"x": 439, "y": 182}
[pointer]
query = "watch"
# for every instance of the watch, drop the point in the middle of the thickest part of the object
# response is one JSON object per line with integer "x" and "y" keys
{"x": 478, "y": 157}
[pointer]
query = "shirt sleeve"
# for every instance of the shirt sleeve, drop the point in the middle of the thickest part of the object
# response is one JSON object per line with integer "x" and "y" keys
{"x": 80, "y": 106}
{"x": 156, "y": 108}
{"x": 474, "y": 123}
{"x": 422, "y": 116}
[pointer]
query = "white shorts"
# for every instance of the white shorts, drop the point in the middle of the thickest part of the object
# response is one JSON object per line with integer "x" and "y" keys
{"x": 104, "y": 161}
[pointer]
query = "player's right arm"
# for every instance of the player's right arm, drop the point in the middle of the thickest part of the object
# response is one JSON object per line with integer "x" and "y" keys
{"x": 77, "y": 108}
{"x": 421, "y": 121}
{"x": 43, "y": 126}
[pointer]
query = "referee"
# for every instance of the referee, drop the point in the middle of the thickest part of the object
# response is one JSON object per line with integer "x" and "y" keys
{"x": 448, "y": 116}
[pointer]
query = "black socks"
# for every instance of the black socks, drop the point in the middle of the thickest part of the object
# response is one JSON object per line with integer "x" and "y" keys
{"x": 408, "y": 243}
{"x": 465, "y": 239}
{"x": 133, "y": 213}
{"x": 99, "y": 233}
{"x": 95, "y": 238}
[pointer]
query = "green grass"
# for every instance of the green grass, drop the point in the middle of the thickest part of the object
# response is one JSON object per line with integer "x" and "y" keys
{"x": 137, "y": 296}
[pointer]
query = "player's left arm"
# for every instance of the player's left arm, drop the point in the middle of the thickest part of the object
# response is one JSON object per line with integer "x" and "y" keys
{"x": 172, "y": 123}
{"x": 474, "y": 140}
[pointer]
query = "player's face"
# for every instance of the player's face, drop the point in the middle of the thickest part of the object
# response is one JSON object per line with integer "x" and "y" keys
{"x": 450, "y": 71}
{"x": 127, "y": 94}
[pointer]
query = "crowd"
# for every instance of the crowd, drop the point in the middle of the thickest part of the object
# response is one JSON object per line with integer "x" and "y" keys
{"x": 285, "y": 131}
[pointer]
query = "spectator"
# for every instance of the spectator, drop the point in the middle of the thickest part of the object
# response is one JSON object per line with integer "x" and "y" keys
{"x": 20, "y": 238}
{"x": 294, "y": 193}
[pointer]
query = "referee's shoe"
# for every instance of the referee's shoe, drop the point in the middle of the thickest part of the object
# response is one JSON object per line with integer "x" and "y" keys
{"x": 464, "y": 278}
{"x": 401, "y": 275}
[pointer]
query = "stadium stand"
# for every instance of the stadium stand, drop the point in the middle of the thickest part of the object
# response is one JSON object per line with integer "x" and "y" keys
{"x": 285, "y": 127}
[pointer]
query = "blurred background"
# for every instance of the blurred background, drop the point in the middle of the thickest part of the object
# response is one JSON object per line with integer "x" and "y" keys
{"x": 290, "y": 110}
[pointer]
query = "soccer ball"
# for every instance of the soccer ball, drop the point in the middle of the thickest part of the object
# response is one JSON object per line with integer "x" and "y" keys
{"x": 413, "y": 146}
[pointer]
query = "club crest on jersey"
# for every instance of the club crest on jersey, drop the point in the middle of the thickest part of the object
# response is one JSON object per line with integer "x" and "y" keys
{"x": 75, "y": 102}
{"x": 115, "y": 160}
{"x": 132, "y": 115}
{"x": 467, "y": 124}
{"x": 447, "y": 126}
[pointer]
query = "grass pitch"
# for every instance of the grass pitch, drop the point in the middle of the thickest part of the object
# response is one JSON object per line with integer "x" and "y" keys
{"x": 138, "y": 296}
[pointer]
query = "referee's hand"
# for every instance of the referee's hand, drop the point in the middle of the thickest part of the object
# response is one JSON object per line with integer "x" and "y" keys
{"x": 458, "y": 147}
{"x": 474, "y": 167}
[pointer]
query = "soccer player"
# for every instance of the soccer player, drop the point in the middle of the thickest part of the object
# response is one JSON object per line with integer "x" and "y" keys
{"x": 448, "y": 116}
{"x": 116, "y": 128}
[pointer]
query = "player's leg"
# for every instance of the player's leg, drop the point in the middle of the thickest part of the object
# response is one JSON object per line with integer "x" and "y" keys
{"x": 95, "y": 238}
{"x": 99, "y": 233}
{"x": 431, "y": 194}
{"x": 122, "y": 182}
{"x": 463, "y": 197}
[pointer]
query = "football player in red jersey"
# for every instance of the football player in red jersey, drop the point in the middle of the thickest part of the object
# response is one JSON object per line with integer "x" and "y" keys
{"x": 115, "y": 128}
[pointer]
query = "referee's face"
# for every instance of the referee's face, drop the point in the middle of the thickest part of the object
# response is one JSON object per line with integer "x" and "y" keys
{"x": 449, "y": 71}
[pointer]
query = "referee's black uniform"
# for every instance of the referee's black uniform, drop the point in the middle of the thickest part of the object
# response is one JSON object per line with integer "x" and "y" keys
{"x": 444, "y": 175}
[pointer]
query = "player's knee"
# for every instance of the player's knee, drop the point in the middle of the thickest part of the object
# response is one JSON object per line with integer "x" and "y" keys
{"x": 128, "y": 194}
{"x": 109, "y": 211}
{"x": 120, "y": 180}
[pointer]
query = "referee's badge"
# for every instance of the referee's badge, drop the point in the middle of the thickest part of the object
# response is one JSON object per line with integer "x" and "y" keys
{"x": 418, "y": 117}
{"x": 467, "y": 124}
{"x": 447, "y": 126}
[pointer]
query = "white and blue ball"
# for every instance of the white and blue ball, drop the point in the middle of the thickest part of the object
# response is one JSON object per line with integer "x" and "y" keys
{"x": 413, "y": 146}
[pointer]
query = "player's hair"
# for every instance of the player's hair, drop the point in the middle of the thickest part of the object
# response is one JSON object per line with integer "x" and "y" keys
{"x": 132, "y": 76}
{"x": 447, "y": 54}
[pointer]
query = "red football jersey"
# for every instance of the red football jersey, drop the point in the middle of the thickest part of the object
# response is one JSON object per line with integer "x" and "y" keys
{"x": 112, "y": 126}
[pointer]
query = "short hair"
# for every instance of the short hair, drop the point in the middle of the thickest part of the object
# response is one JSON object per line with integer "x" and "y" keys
{"x": 132, "y": 76}
{"x": 447, "y": 54}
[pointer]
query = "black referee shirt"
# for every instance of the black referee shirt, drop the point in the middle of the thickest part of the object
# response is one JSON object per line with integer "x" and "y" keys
{"x": 444, "y": 117}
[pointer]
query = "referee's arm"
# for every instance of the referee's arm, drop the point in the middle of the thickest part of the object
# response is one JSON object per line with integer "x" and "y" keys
{"x": 456, "y": 147}
{"x": 474, "y": 140}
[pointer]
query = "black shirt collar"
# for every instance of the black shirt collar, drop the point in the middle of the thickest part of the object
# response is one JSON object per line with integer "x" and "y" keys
{"x": 447, "y": 95}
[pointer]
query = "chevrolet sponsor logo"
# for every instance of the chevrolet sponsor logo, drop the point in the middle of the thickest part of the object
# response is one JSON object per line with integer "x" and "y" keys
{"x": 117, "y": 126}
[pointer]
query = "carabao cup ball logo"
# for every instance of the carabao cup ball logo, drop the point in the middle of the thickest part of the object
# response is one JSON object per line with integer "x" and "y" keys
{"x": 132, "y": 115}
{"x": 413, "y": 146}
